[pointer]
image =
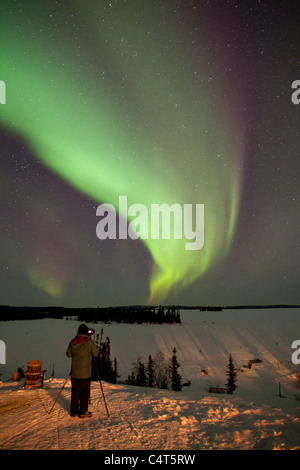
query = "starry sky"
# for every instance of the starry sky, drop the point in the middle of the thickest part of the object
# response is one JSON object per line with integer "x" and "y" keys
{"x": 185, "y": 102}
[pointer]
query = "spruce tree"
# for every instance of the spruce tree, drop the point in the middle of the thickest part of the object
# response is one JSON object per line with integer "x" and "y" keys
{"x": 105, "y": 363}
{"x": 141, "y": 375}
{"x": 175, "y": 376}
{"x": 231, "y": 373}
{"x": 150, "y": 371}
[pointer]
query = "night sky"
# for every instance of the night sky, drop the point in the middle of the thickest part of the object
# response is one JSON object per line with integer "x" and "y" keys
{"x": 184, "y": 102}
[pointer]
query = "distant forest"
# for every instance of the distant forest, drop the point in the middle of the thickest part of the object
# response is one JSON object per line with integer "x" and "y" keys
{"x": 132, "y": 314}
{"x": 125, "y": 314}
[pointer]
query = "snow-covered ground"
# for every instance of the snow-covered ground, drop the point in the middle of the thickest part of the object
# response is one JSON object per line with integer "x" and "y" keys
{"x": 254, "y": 417}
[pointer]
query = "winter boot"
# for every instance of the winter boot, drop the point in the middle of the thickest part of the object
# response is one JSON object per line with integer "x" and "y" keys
{"x": 88, "y": 414}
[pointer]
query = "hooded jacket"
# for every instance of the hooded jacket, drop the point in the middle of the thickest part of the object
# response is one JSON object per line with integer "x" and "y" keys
{"x": 81, "y": 349}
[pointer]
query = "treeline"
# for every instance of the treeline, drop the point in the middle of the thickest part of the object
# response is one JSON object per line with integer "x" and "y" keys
{"x": 130, "y": 314}
{"x": 133, "y": 314}
{"x": 8, "y": 313}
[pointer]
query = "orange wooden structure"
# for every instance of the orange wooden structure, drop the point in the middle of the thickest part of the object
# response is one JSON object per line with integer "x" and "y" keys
{"x": 34, "y": 377}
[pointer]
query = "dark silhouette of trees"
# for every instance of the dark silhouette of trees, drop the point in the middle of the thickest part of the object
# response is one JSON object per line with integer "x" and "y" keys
{"x": 138, "y": 374}
{"x": 129, "y": 314}
{"x": 104, "y": 363}
{"x": 157, "y": 372}
{"x": 141, "y": 373}
{"x": 125, "y": 314}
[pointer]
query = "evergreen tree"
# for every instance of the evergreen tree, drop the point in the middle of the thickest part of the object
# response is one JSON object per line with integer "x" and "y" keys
{"x": 104, "y": 362}
{"x": 109, "y": 367}
{"x": 150, "y": 371}
{"x": 141, "y": 376}
{"x": 231, "y": 373}
{"x": 132, "y": 378}
{"x": 175, "y": 376}
{"x": 139, "y": 373}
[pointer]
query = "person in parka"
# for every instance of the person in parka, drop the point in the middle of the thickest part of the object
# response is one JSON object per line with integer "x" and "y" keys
{"x": 81, "y": 349}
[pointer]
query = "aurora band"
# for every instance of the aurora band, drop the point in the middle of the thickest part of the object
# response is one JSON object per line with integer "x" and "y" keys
{"x": 157, "y": 134}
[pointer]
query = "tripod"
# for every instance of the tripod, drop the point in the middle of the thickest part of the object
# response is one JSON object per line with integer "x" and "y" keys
{"x": 96, "y": 365}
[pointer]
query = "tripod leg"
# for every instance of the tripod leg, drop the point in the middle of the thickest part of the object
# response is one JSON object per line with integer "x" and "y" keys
{"x": 101, "y": 387}
{"x": 60, "y": 392}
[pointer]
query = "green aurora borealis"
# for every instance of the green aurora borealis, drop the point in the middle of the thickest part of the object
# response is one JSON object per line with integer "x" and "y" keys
{"x": 118, "y": 98}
